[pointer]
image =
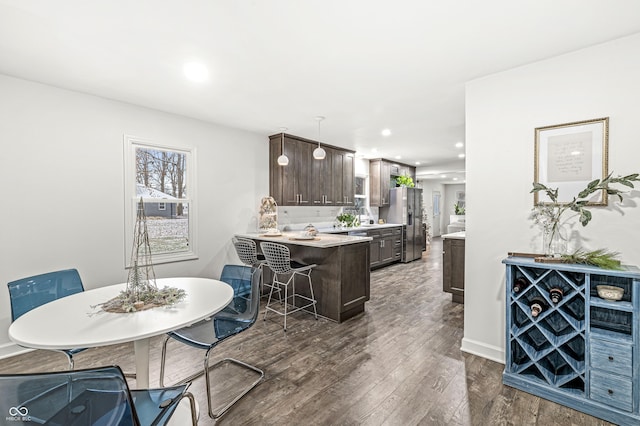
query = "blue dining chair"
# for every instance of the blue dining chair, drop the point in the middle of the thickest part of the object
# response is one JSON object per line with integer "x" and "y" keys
{"x": 239, "y": 315}
{"x": 96, "y": 396}
{"x": 29, "y": 293}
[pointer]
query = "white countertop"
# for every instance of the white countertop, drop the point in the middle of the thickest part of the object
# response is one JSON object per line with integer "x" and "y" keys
{"x": 455, "y": 236}
{"x": 322, "y": 240}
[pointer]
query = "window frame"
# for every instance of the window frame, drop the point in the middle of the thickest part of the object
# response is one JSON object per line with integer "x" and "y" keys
{"x": 131, "y": 143}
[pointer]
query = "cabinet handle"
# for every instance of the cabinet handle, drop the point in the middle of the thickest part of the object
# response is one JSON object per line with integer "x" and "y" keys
{"x": 610, "y": 358}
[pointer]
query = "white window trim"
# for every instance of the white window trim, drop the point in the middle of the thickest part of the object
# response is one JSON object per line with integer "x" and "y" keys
{"x": 131, "y": 199}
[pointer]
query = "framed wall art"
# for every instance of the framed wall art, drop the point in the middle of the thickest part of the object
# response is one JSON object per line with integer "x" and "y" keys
{"x": 569, "y": 156}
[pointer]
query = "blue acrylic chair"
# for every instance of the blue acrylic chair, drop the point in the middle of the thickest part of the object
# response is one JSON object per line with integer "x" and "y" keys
{"x": 96, "y": 396}
{"x": 238, "y": 316}
{"x": 31, "y": 292}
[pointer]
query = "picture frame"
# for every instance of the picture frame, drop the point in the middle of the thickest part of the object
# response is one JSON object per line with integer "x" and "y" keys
{"x": 568, "y": 156}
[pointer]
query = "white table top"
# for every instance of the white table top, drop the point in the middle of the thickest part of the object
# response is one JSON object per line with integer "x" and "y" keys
{"x": 71, "y": 322}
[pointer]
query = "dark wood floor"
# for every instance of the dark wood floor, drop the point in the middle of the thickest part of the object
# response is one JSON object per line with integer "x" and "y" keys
{"x": 397, "y": 364}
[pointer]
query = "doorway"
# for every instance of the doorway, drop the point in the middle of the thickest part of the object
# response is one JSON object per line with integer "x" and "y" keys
{"x": 436, "y": 213}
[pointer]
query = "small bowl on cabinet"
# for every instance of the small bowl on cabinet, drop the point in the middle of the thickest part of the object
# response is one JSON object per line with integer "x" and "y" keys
{"x": 609, "y": 292}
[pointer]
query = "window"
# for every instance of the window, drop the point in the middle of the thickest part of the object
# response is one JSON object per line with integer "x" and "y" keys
{"x": 161, "y": 176}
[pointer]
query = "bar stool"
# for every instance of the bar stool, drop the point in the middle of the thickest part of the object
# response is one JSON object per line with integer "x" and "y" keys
{"x": 248, "y": 254}
{"x": 279, "y": 261}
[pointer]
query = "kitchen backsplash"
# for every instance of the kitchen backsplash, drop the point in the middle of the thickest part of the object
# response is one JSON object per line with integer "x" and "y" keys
{"x": 293, "y": 218}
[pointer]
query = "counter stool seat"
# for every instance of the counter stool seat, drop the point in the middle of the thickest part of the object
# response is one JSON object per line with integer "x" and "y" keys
{"x": 278, "y": 259}
{"x": 248, "y": 254}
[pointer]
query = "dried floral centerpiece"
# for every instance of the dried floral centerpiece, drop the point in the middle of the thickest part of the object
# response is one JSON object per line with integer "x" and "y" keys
{"x": 142, "y": 292}
{"x": 268, "y": 214}
{"x": 548, "y": 215}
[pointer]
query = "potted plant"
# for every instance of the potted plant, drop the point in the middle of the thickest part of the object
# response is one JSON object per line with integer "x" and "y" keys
{"x": 459, "y": 214}
{"x": 549, "y": 214}
{"x": 405, "y": 181}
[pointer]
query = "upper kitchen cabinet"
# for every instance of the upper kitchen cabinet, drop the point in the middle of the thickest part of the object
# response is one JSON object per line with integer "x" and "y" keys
{"x": 290, "y": 185}
{"x": 306, "y": 181}
{"x": 382, "y": 175}
{"x": 344, "y": 177}
{"x": 322, "y": 182}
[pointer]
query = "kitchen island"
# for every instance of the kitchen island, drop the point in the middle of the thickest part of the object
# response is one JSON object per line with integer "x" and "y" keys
{"x": 341, "y": 281}
{"x": 453, "y": 265}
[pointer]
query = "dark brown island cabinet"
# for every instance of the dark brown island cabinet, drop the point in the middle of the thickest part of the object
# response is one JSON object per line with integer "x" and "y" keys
{"x": 341, "y": 279}
{"x": 453, "y": 267}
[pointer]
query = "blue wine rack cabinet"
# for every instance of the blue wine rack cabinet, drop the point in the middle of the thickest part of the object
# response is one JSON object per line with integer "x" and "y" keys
{"x": 583, "y": 352}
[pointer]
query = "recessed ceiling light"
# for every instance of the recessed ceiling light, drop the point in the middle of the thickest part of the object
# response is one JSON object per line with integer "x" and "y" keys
{"x": 459, "y": 145}
{"x": 386, "y": 132}
{"x": 196, "y": 71}
{"x": 455, "y": 178}
{"x": 374, "y": 150}
{"x": 417, "y": 163}
{"x": 443, "y": 176}
{"x": 461, "y": 155}
{"x": 398, "y": 157}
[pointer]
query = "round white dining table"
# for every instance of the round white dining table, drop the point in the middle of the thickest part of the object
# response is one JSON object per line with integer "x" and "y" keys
{"x": 77, "y": 321}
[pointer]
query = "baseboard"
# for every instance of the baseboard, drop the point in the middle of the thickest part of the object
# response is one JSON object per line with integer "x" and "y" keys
{"x": 8, "y": 350}
{"x": 494, "y": 353}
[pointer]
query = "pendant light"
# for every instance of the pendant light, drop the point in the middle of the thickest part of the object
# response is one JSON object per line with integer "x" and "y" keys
{"x": 319, "y": 153}
{"x": 283, "y": 160}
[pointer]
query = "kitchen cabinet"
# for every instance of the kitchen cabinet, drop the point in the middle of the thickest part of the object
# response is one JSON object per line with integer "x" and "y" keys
{"x": 322, "y": 184}
{"x": 341, "y": 278}
{"x": 382, "y": 174}
{"x": 453, "y": 268}
{"x": 386, "y": 246}
{"x": 379, "y": 183}
{"x": 306, "y": 181}
{"x": 583, "y": 351}
{"x": 290, "y": 185}
{"x": 344, "y": 176}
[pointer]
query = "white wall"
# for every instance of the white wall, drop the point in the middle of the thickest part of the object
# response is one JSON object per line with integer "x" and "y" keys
{"x": 62, "y": 176}
{"x": 450, "y": 198}
{"x": 502, "y": 112}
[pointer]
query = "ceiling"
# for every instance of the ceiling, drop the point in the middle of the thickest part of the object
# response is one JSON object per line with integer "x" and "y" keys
{"x": 365, "y": 65}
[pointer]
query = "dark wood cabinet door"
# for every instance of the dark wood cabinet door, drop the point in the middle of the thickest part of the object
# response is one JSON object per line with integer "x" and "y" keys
{"x": 375, "y": 169}
{"x": 321, "y": 184}
{"x": 338, "y": 177}
{"x": 348, "y": 179}
{"x": 385, "y": 183}
{"x": 355, "y": 289}
{"x": 387, "y": 249}
{"x": 275, "y": 171}
{"x": 379, "y": 177}
{"x": 453, "y": 268}
{"x": 295, "y": 180}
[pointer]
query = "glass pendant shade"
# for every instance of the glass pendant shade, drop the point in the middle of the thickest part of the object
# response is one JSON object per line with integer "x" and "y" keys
{"x": 319, "y": 153}
{"x": 283, "y": 160}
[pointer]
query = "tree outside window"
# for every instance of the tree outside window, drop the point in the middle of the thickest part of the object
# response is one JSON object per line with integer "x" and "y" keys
{"x": 160, "y": 176}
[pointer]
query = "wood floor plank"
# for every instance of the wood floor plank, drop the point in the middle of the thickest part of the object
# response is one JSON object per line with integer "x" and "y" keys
{"x": 399, "y": 363}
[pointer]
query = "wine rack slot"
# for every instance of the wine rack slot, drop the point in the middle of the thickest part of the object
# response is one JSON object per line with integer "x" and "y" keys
{"x": 567, "y": 344}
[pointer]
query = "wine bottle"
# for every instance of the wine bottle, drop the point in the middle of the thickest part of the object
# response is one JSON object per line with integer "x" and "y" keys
{"x": 556, "y": 294}
{"x": 537, "y": 306}
{"x": 519, "y": 284}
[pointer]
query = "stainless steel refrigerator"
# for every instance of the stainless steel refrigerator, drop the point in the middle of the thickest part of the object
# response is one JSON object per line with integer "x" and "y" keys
{"x": 406, "y": 208}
